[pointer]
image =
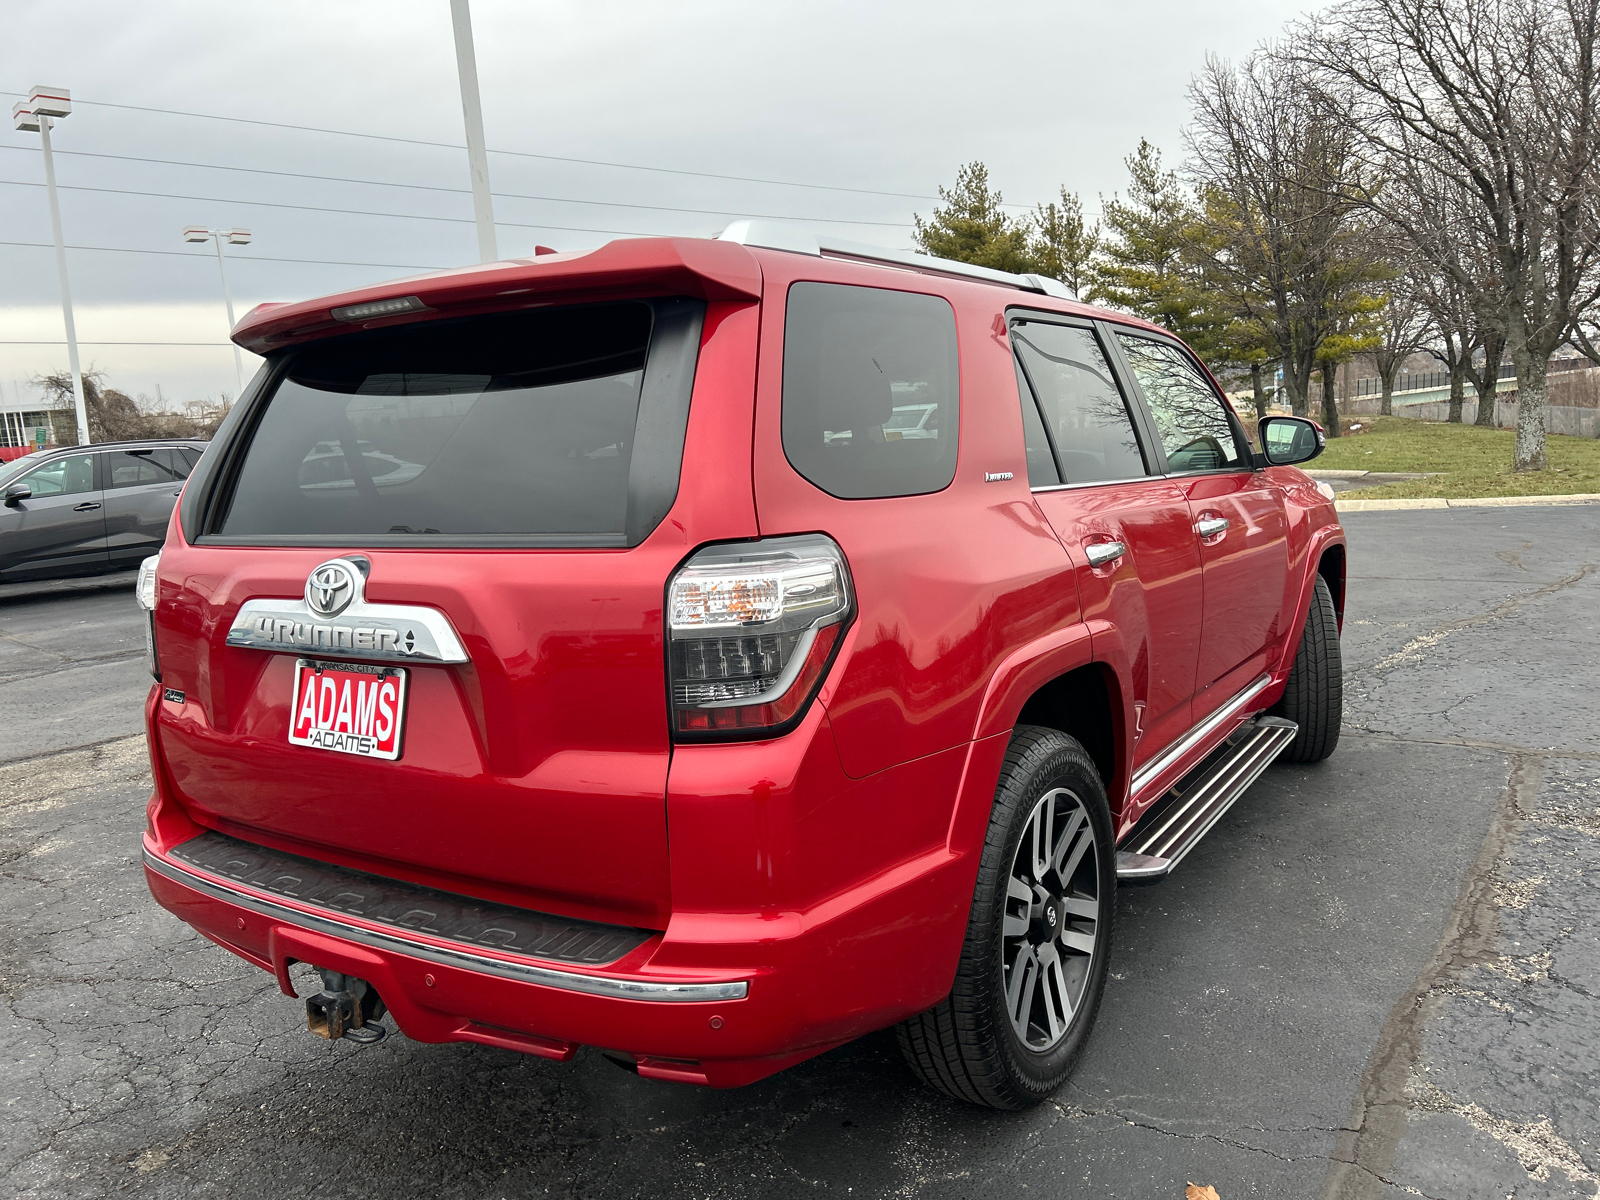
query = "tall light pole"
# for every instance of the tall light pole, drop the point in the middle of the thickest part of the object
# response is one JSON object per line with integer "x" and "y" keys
{"x": 34, "y": 115}
{"x": 472, "y": 111}
{"x": 234, "y": 237}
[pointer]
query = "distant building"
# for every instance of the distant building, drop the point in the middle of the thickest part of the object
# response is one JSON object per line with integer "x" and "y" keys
{"x": 22, "y": 416}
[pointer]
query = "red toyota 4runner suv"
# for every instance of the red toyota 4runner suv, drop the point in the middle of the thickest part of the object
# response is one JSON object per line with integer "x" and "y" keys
{"x": 710, "y": 651}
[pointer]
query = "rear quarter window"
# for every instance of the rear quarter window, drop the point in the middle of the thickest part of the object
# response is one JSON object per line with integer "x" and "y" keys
{"x": 871, "y": 390}
{"x": 537, "y": 428}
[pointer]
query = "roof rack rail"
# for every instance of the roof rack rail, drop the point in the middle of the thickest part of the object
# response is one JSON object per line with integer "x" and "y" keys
{"x": 802, "y": 239}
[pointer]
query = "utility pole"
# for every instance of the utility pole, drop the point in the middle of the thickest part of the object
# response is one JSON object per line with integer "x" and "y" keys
{"x": 33, "y": 115}
{"x": 234, "y": 237}
{"x": 472, "y": 111}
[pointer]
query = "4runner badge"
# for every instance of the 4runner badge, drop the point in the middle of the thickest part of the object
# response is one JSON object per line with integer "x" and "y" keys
{"x": 334, "y": 617}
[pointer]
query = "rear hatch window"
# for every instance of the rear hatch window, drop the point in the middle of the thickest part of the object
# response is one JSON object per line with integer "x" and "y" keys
{"x": 555, "y": 427}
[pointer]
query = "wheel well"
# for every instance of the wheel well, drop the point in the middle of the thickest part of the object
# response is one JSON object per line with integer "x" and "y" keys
{"x": 1331, "y": 567}
{"x": 1086, "y": 704}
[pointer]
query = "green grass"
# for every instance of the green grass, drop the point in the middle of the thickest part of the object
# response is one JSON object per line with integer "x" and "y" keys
{"x": 1474, "y": 462}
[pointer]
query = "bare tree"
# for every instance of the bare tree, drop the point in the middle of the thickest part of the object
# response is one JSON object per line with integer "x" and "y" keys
{"x": 1404, "y": 328}
{"x": 1281, "y": 186}
{"x": 1499, "y": 97}
{"x": 116, "y": 416}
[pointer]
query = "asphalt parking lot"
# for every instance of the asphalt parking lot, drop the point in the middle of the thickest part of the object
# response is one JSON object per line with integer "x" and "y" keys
{"x": 1379, "y": 976}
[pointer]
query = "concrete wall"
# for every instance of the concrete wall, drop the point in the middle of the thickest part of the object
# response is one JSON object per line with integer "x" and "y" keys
{"x": 1572, "y": 420}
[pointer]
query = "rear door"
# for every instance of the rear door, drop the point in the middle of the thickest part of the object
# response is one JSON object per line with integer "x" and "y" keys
{"x": 1240, "y": 525}
{"x": 60, "y": 529}
{"x": 507, "y": 489}
{"x": 1092, "y": 473}
{"x": 141, "y": 486}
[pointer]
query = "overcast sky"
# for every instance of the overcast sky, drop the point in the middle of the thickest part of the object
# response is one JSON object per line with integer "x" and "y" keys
{"x": 877, "y": 103}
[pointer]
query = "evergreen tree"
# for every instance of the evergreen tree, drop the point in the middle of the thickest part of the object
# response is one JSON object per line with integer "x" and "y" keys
{"x": 1144, "y": 265}
{"x": 1063, "y": 244}
{"x": 971, "y": 226}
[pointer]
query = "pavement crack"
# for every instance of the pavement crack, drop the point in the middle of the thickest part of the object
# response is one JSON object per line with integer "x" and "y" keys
{"x": 1413, "y": 650}
{"x": 1537, "y": 1145}
{"x": 1379, "y": 1113}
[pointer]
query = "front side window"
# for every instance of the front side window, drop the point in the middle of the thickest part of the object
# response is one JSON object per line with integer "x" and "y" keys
{"x": 519, "y": 425}
{"x": 1189, "y": 415}
{"x": 64, "y": 477}
{"x": 1084, "y": 413}
{"x": 871, "y": 388}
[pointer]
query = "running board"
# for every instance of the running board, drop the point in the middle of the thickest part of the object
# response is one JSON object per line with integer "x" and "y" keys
{"x": 1176, "y": 823}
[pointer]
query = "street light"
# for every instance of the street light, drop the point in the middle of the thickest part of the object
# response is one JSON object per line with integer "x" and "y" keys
{"x": 234, "y": 237}
{"x": 34, "y": 115}
{"x": 472, "y": 115}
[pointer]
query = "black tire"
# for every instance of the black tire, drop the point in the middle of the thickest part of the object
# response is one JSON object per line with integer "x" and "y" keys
{"x": 1314, "y": 696}
{"x": 968, "y": 1045}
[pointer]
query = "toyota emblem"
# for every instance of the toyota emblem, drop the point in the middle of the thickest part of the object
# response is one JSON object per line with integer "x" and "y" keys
{"x": 331, "y": 588}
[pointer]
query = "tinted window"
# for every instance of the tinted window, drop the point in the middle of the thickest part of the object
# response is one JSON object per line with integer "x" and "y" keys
{"x": 63, "y": 477}
{"x": 135, "y": 468}
{"x": 870, "y": 390}
{"x": 1189, "y": 415}
{"x": 1041, "y": 459}
{"x": 1087, "y": 417}
{"x": 517, "y": 424}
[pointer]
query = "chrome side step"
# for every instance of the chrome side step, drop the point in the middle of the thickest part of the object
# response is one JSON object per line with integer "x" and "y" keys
{"x": 1177, "y": 822}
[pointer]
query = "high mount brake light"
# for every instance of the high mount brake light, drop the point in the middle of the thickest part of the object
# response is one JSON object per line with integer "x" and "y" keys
{"x": 751, "y": 629}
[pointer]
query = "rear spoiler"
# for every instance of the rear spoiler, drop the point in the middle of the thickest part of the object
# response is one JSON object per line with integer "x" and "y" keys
{"x": 710, "y": 270}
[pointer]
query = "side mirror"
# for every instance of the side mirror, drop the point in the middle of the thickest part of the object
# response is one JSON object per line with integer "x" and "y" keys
{"x": 1289, "y": 440}
{"x": 17, "y": 493}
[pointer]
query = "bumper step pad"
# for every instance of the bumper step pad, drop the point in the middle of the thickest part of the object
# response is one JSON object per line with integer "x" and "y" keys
{"x": 408, "y": 906}
{"x": 1176, "y": 823}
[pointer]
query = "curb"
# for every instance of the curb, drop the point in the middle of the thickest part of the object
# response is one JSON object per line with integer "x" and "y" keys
{"x": 1346, "y": 506}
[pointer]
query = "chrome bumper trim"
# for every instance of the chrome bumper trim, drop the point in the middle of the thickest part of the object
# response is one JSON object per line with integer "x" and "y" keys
{"x": 467, "y": 960}
{"x": 1198, "y": 734}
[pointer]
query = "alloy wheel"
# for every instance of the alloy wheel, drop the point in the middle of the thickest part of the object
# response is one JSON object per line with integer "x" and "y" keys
{"x": 1052, "y": 910}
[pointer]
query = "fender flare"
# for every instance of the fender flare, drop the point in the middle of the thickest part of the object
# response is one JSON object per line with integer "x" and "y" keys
{"x": 1322, "y": 540}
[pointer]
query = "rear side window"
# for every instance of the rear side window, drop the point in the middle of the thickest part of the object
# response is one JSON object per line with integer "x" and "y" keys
{"x": 136, "y": 468}
{"x": 1085, "y": 415}
{"x": 540, "y": 427}
{"x": 871, "y": 387}
{"x": 1189, "y": 415}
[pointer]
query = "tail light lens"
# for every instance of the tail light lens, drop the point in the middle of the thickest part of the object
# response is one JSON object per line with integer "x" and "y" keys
{"x": 144, "y": 595}
{"x": 751, "y": 630}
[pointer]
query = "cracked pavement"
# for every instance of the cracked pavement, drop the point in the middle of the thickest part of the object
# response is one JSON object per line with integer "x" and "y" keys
{"x": 1378, "y": 976}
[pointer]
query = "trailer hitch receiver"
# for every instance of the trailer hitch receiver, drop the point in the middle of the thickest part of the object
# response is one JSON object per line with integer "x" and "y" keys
{"x": 346, "y": 1007}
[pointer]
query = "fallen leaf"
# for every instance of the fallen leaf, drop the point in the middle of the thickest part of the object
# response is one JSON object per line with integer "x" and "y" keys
{"x": 1195, "y": 1192}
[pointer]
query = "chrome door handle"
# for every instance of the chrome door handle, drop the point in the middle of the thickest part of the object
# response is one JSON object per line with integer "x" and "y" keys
{"x": 1102, "y": 553}
{"x": 1211, "y": 527}
{"x": 87, "y": 506}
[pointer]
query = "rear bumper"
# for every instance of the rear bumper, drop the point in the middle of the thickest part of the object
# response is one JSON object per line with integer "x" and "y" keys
{"x": 706, "y": 1030}
{"x": 795, "y": 926}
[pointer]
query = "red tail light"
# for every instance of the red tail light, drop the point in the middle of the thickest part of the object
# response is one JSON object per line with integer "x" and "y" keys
{"x": 752, "y": 628}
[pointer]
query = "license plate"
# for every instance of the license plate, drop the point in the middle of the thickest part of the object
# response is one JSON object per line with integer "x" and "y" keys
{"x": 349, "y": 707}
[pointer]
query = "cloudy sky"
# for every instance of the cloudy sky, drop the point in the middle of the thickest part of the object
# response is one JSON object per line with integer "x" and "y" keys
{"x": 869, "y": 105}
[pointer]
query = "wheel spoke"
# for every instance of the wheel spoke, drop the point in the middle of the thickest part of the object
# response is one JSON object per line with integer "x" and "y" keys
{"x": 1074, "y": 940}
{"x": 1065, "y": 871}
{"x": 1063, "y": 842}
{"x": 1041, "y": 826}
{"x": 1057, "y": 1004}
{"x": 1019, "y": 996}
{"x": 1082, "y": 906}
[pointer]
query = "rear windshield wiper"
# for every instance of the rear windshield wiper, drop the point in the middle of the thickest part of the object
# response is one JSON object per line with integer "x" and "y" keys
{"x": 408, "y": 529}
